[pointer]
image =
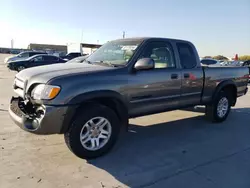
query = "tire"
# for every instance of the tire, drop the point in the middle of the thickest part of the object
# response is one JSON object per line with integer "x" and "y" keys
{"x": 212, "y": 110}
{"x": 20, "y": 68}
{"x": 80, "y": 122}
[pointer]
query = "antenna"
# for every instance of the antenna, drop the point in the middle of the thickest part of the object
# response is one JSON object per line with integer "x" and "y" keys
{"x": 12, "y": 43}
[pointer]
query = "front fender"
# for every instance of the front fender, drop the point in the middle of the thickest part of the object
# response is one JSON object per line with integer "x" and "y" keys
{"x": 76, "y": 102}
{"x": 96, "y": 94}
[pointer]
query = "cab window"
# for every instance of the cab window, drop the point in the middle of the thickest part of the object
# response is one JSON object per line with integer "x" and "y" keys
{"x": 161, "y": 53}
{"x": 187, "y": 56}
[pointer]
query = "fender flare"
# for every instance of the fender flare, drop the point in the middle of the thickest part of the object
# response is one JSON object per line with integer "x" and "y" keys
{"x": 121, "y": 106}
{"x": 222, "y": 85}
{"x": 96, "y": 94}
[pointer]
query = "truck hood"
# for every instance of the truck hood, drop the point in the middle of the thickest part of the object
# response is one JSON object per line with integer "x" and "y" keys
{"x": 43, "y": 74}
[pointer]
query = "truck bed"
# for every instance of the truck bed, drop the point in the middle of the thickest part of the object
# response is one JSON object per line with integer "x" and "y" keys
{"x": 213, "y": 75}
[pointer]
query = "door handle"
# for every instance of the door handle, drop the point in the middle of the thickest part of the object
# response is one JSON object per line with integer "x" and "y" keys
{"x": 174, "y": 76}
{"x": 186, "y": 75}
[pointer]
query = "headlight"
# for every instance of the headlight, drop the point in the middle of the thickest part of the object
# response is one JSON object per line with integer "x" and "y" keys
{"x": 43, "y": 91}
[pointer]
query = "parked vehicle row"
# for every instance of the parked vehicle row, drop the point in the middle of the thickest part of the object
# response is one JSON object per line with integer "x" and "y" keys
{"x": 90, "y": 102}
{"x": 208, "y": 61}
{"x": 71, "y": 55}
{"x": 247, "y": 64}
{"x": 36, "y": 60}
{"x": 33, "y": 58}
{"x": 80, "y": 59}
{"x": 22, "y": 56}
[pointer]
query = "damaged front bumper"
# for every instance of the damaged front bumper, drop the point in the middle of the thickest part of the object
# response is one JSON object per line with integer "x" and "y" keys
{"x": 39, "y": 120}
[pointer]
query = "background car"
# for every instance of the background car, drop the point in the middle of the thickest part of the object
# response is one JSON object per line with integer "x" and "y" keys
{"x": 247, "y": 64}
{"x": 37, "y": 60}
{"x": 210, "y": 62}
{"x": 22, "y": 56}
{"x": 78, "y": 59}
{"x": 71, "y": 55}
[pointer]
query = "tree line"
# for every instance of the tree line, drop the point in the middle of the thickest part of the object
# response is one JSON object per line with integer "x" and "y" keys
{"x": 221, "y": 57}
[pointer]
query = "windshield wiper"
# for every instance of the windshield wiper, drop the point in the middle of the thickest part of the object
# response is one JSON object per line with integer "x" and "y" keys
{"x": 109, "y": 63}
{"x": 89, "y": 62}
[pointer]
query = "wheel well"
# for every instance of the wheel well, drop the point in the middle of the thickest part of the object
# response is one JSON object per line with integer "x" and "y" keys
{"x": 233, "y": 92}
{"x": 115, "y": 104}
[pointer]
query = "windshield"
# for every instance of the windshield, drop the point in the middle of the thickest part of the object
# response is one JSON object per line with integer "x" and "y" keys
{"x": 77, "y": 59}
{"x": 115, "y": 52}
{"x": 23, "y": 54}
{"x": 32, "y": 57}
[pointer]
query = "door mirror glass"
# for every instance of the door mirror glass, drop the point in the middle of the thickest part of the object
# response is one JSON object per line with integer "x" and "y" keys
{"x": 145, "y": 64}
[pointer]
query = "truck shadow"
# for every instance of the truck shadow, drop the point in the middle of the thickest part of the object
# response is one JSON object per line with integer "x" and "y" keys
{"x": 147, "y": 149}
{"x": 201, "y": 109}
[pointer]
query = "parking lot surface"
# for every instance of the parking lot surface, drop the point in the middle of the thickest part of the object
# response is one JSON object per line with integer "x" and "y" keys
{"x": 174, "y": 149}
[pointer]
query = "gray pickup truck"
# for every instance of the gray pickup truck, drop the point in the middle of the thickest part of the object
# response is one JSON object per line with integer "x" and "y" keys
{"x": 91, "y": 102}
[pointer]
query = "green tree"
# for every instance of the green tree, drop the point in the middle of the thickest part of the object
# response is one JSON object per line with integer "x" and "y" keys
{"x": 220, "y": 57}
{"x": 244, "y": 58}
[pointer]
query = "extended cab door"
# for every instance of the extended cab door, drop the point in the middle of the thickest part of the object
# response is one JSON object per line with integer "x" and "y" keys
{"x": 156, "y": 89}
{"x": 191, "y": 74}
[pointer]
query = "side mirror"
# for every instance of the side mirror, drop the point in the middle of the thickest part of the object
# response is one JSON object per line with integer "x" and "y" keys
{"x": 145, "y": 64}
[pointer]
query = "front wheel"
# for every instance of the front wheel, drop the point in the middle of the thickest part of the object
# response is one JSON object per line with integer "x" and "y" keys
{"x": 93, "y": 132}
{"x": 220, "y": 108}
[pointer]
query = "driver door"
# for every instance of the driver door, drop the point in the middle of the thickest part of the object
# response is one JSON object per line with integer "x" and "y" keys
{"x": 156, "y": 89}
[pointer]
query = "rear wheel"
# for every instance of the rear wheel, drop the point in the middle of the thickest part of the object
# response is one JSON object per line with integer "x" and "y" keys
{"x": 93, "y": 132}
{"x": 220, "y": 108}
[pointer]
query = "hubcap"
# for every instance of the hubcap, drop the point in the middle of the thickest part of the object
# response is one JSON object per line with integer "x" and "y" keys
{"x": 95, "y": 133}
{"x": 222, "y": 107}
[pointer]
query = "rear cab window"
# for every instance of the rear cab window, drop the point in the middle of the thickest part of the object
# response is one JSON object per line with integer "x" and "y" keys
{"x": 187, "y": 55}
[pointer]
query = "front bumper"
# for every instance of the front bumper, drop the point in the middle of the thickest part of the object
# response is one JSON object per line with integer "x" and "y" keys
{"x": 45, "y": 120}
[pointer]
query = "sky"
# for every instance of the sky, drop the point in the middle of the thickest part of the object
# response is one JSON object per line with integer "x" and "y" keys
{"x": 214, "y": 26}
